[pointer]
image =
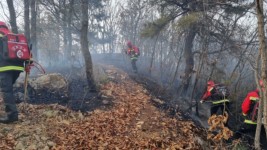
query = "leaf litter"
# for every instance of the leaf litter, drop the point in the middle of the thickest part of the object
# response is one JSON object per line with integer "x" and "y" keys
{"x": 132, "y": 122}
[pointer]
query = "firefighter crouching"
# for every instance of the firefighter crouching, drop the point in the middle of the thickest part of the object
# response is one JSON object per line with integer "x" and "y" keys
{"x": 249, "y": 108}
{"x": 217, "y": 95}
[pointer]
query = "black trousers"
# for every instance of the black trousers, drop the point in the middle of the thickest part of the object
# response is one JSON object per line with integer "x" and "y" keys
{"x": 133, "y": 61}
{"x": 247, "y": 132}
{"x": 215, "y": 108}
{"x": 7, "y": 79}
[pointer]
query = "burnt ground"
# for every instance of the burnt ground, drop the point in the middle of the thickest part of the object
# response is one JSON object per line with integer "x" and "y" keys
{"x": 81, "y": 100}
{"x": 79, "y": 97}
{"x": 164, "y": 100}
{"x": 126, "y": 118}
{"x": 161, "y": 97}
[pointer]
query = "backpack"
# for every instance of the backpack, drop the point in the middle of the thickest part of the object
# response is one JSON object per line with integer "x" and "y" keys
{"x": 221, "y": 91}
{"x": 15, "y": 48}
{"x": 137, "y": 51}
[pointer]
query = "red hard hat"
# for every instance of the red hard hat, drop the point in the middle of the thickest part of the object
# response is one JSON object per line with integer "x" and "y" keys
{"x": 211, "y": 83}
{"x": 3, "y": 27}
{"x": 129, "y": 43}
{"x": 3, "y": 24}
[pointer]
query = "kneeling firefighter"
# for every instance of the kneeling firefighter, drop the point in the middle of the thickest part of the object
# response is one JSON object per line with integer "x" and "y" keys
{"x": 249, "y": 108}
{"x": 218, "y": 95}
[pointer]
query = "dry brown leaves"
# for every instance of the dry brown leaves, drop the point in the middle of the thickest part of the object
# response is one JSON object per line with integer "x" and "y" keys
{"x": 7, "y": 142}
{"x": 217, "y": 130}
{"x": 132, "y": 123}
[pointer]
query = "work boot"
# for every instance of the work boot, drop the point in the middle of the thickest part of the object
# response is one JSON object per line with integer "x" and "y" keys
{"x": 11, "y": 114}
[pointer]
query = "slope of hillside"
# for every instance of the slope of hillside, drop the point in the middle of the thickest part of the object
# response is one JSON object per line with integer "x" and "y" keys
{"x": 127, "y": 120}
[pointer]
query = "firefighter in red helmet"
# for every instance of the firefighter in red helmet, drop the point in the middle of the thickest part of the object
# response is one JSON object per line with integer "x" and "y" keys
{"x": 9, "y": 72}
{"x": 218, "y": 95}
{"x": 249, "y": 109}
{"x": 251, "y": 101}
{"x": 134, "y": 53}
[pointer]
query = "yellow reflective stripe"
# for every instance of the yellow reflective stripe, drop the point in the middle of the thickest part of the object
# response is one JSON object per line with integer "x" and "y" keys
{"x": 134, "y": 58}
{"x": 249, "y": 122}
{"x": 220, "y": 101}
{"x": 8, "y": 68}
{"x": 254, "y": 98}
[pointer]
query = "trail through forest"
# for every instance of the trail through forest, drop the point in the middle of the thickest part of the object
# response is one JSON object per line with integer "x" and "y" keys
{"x": 127, "y": 120}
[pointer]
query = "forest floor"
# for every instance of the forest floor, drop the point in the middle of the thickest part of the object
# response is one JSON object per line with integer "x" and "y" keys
{"x": 126, "y": 118}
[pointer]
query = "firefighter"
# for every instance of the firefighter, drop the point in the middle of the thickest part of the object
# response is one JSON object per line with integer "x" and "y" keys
{"x": 9, "y": 73}
{"x": 217, "y": 95}
{"x": 133, "y": 52}
{"x": 249, "y": 116}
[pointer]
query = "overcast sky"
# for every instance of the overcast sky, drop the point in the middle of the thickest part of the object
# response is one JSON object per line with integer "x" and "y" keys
{"x": 18, "y": 4}
{"x": 4, "y": 14}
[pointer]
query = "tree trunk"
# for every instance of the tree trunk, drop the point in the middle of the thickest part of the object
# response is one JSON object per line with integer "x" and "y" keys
{"x": 189, "y": 58}
{"x": 84, "y": 46}
{"x": 33, "y": 29}
{"x": 12, "y": 14}
{"x": 65, "y": 32}
{"x": 199, "y": 69}
{"x": 262, "y": 104}
{"x": 27, "y": 19}
{"x": 153, "y": 56}
{"x": 69, "y": 19}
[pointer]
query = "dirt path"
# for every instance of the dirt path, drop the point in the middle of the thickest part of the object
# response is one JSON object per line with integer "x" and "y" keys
{"x": 130, "y": 121}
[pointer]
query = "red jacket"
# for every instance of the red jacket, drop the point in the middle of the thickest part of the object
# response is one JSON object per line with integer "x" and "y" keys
{"x": 254, "y": 95}
{"x": 207, "y": 94}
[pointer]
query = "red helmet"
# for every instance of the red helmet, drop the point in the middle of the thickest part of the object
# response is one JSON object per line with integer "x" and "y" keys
{"x": 210, "y": 83}
{"x": 129, "y": 43}
{"x": 2, "y": 24}
{"x": 3, "y": 28}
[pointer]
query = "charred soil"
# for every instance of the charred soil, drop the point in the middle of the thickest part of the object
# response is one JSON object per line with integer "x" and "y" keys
{"x": 125, "y": 117}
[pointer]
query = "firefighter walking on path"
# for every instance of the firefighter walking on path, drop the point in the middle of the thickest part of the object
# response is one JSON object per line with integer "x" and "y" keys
{"x": 134, "y": 53}
{"x": 9, "y": 73}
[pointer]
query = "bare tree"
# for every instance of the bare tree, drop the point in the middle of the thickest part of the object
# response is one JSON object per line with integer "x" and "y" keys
{"x": 262, "y": 103}
{"x": 189, "y": 57}
{"x": 84, "y": 45}
{"x": 12, "y": 14}
{"x": 27, "y": 19}
{"x": 69, "y": 33}
{"x": 34, "y": 28}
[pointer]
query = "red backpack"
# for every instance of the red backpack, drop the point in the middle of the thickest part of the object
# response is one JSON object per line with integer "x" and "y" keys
{"x": 15, "y": 47}
{"x": 136, "y": 50}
